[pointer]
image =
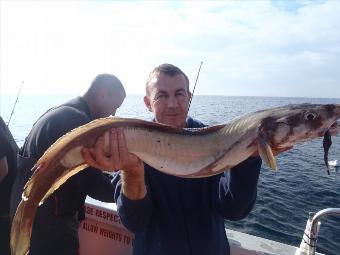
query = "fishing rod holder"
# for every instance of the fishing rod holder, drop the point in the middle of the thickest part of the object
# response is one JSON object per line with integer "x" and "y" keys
{"x": 310, "y": 236}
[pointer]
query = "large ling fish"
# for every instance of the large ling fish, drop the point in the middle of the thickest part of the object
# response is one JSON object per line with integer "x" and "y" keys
{"x": 188, "y": 153}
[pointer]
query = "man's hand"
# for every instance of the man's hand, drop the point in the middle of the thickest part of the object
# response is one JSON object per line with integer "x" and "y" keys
{"x": 110, "y": 153}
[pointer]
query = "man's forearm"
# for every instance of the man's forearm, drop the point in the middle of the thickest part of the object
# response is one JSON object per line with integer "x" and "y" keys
{"x": 133, "y": 184}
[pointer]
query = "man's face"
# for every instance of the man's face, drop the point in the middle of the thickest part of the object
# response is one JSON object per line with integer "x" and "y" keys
{"x": 110, "y": 104}
{"x": 168, "y": 99}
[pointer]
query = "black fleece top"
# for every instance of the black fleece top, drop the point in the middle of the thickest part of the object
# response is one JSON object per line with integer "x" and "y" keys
{"x": 8, "y": 149}
{"x": 55, "y": 225}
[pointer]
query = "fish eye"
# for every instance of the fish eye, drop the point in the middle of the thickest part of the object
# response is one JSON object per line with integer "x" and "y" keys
{"x": 310, "y": 116}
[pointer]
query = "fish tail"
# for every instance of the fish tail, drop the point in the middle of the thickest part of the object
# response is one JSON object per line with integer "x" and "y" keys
{"x": 22, "y": 228}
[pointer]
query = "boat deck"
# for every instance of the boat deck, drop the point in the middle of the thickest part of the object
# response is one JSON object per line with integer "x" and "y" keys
{"x": 102, "y": 233}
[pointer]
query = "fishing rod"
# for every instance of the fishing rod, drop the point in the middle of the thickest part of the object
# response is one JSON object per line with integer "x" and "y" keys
{"x": 192, "y": 95}
{"x": 16, "y": 101}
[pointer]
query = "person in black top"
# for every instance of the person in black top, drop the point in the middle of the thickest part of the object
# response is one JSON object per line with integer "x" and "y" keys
{"x": 8, "y": 151}
{"x": 55, "y": 227}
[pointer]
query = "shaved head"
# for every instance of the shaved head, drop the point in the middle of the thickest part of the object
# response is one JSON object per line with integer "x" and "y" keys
{"x": 107, "y": 81}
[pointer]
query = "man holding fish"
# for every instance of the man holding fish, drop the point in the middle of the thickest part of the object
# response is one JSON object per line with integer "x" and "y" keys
{"x": 168, "y": 214}
{"x": 55, "y": 228}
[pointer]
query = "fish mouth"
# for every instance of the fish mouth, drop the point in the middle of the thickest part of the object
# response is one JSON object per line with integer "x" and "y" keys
{"x": 334, "y": 128}
{"x": 336, "y": 112}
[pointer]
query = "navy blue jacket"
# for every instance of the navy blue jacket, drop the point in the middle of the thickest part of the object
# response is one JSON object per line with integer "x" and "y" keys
{"x": 186, "y": 216}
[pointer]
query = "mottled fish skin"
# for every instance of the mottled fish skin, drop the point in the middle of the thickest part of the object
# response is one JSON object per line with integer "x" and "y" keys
{"x": 180, "y": 152}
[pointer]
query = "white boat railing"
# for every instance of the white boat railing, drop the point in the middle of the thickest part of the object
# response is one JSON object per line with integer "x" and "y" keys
{"x": 310, "y": 236}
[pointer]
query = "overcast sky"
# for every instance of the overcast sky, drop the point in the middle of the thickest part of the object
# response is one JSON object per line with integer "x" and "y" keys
{"x": 249, "y": 48}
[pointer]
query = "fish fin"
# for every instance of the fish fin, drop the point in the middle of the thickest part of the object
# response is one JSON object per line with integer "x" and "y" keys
{"x": 22, "y": 228}
{"x": 60, "y": 181}
{"x": 29, "y": 184}
{"x": 266, "y": 153}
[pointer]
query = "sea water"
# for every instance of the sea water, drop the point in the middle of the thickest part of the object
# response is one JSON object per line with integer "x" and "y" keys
{"x": 285, "y": 197}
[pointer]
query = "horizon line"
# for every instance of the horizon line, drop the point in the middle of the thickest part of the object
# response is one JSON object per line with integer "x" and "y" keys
{"x": 136, "y": 94}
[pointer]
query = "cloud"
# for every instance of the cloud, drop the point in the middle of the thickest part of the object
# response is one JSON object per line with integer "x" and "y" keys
{"x": 248, "y": 48}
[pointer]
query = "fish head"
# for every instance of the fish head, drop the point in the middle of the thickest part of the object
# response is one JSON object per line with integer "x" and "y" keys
{"x": 286, "y": 126}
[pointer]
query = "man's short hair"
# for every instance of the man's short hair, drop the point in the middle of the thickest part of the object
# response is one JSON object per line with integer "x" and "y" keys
{"x": 166, "y": 69}
{"x": 108, "y": 81}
